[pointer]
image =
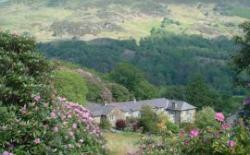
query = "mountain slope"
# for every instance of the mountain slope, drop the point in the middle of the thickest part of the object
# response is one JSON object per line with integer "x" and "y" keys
{"x": 90, "y": 19}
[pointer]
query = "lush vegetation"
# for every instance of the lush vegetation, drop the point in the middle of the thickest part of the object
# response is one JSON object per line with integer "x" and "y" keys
{"x": 164, "y": 59}
{"x": 218, "y": 139}
{"x": 32, "y": 121}
{"x": 210, "y": 134}
{"x": 152, "y": 122}
{"x": 134, "y": 80}
{"x": 70, "y": 85}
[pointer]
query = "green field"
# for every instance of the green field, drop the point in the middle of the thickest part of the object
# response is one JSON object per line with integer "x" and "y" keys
{"x": 122, "y": 143}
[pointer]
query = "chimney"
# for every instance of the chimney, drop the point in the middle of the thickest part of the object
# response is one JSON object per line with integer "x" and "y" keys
{"x": 105, "y": 103}
{"x": 134, "y": 100}
{"x": 174, "y": 105}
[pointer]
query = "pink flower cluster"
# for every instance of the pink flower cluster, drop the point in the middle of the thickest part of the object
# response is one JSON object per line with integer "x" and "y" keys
{"x": 82, "y": 114}
{"x": 7, "y": 153}
{"x": 231, "y": 143}
{"x": 194, "y": 133}
{"x": 37, "y": 98}
{"x": 37, "y": 141}
{"x": 219, "y": 117}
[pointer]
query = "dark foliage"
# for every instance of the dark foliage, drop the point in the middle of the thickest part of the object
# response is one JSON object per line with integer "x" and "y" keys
{"x": 165, "y": 58}
{"x": 120, "y": 124}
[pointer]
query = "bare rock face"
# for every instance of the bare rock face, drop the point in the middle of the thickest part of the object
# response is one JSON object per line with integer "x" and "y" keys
{"x": 59, "y": 28}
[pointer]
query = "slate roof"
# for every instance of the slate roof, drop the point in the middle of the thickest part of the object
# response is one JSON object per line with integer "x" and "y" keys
{"x": 99, "y": 109}
{"x": 131, "y": 106}
{"x": 137, "y": 105}
{"x": 179, "y": 105}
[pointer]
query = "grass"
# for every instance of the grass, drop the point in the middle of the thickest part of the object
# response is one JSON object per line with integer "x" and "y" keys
{"x": 122, "y": 143}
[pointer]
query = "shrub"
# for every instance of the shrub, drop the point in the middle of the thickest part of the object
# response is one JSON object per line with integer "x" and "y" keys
{"x": 34, "y": 124}
{"x": 148, "y": 119}
{"x": 23, "y": 71}
{"x": 120, "y": 124}
{"x": 224, "y": 140}
{"x": 133, "y": 124}
{"x": 245, "y": 113}
{"x": 187, "y": 127}
{"x": 71, "y": 85}
{"x": 205, "y": 118}
{"x": 164, "y": 125}
{"x": 172, "y": 127}
{"x": 105, "y": 124}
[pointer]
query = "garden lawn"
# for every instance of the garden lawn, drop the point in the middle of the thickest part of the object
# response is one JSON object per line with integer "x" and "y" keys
{"x": 122, "y": 143}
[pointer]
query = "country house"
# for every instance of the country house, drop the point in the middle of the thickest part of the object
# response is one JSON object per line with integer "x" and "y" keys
{"x": 177, "y": 111}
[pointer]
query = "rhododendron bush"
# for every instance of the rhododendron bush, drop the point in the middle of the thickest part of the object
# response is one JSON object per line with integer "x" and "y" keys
{"x": 32, "y": 121}
{"x": 42, "y": 128}
{"x": 212, "y": 140}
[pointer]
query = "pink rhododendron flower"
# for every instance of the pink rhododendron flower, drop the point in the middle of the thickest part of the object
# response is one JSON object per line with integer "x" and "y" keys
{"x": 73, "y": 109}
{"x": 70, "y": 146}
{"x": 182, "y": 134}
{"x": 194, "y": 133}
{"x": 37, "y": 98}
{"x": 186, "y": 142}
{"x": 225, "y": 126}
{"x": 74, "y": 126}
{"x": 71, "y": 133}
{"x": 81, "y": 140}
{"x": 61, "y": 99}
{"x": 24, "y": 109}
{"x": 15, "y": 34}
{"x": 53, "y": 114}
{"x": 37, "y": 141}
{"x": 231, "y": 143}
{"x": 56, "y": 129}
{"x": 7, "y": 153}
{"x": 219, "y": 117}
{"x": 247, "y": 101}
{"x": 69, "y": 116}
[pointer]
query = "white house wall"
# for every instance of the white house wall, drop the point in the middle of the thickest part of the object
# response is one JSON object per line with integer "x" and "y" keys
{"x": 188, "y": 116}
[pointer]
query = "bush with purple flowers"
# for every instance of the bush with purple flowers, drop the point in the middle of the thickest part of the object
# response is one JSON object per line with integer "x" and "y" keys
{"x": 32, "y": 121}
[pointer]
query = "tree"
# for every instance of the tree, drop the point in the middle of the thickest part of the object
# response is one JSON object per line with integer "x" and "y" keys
{"x": 174, "y": 92}
{"x": 127, "y": 75}
{"x": 120, "y": 93}
{"x": 148, "y": 119}
{"x": 199, "y": 94}
{"x": 133, "y": 79}
{"x": 242, "y": 65}
{"x": 145, "y": 90}
{"x": 242, "y": 58}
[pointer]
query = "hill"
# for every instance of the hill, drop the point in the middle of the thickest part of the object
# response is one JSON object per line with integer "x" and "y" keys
{"x": 80, "y": 84}
{"x": 50, "y": 20}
